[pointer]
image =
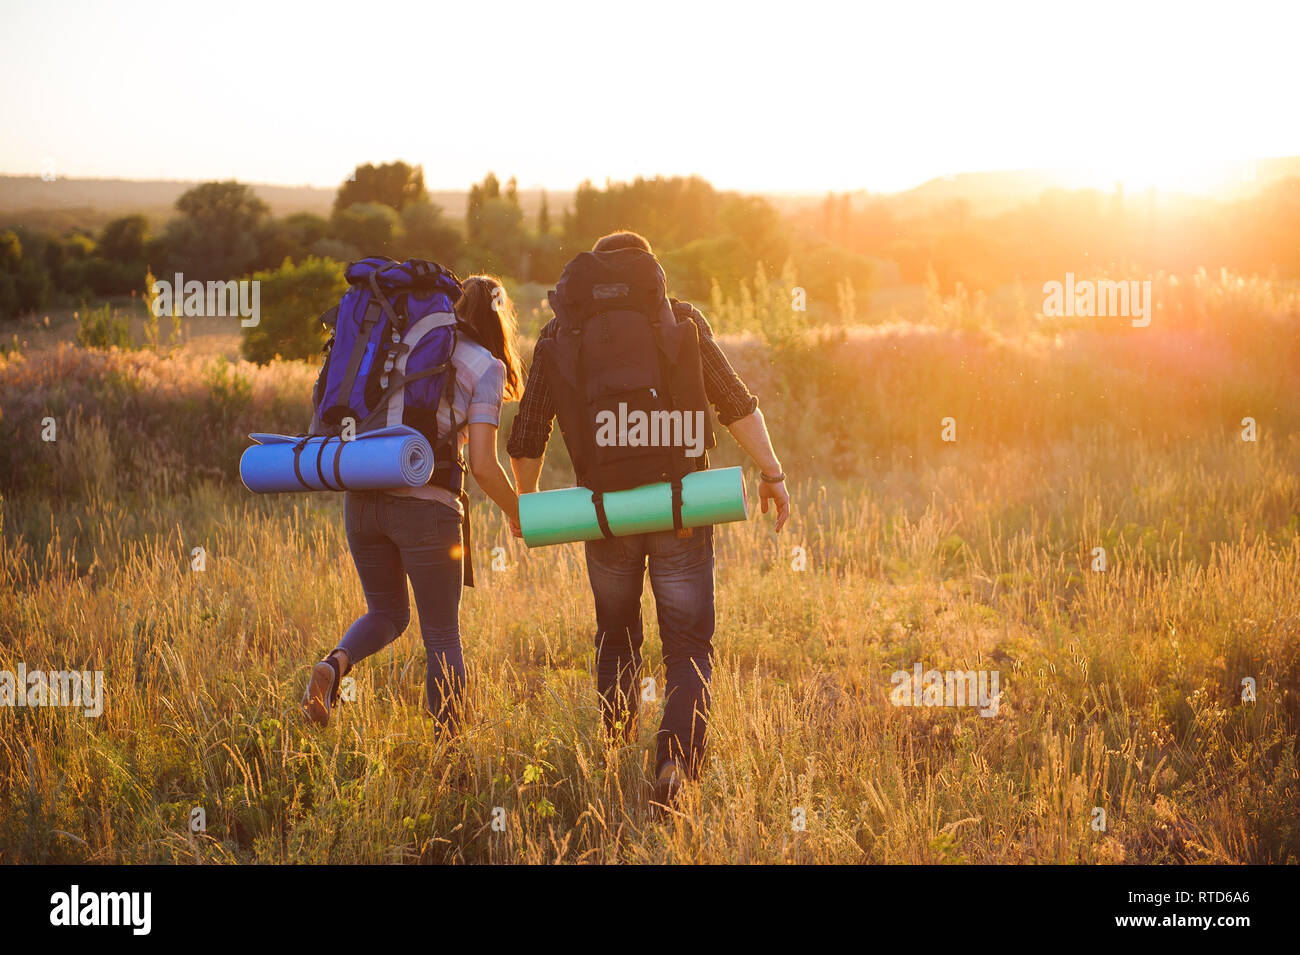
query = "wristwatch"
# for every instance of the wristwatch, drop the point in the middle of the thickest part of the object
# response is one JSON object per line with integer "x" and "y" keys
{"x": 774, "y": 479}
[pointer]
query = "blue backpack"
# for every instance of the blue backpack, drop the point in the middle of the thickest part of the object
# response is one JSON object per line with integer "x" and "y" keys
{"x": 388, "y": 360}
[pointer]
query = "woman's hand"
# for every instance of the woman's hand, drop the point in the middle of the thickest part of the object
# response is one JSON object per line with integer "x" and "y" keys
{"x": 487, "y": 471}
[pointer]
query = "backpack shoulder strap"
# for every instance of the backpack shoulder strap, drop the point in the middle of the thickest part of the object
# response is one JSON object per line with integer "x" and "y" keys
{"x": 397, "y": 321}
{"x": 368, "y": 322}
{"x": 395, "y": 378}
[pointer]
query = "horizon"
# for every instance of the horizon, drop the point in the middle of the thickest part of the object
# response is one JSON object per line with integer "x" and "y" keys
{"x": 1207, "y": 178}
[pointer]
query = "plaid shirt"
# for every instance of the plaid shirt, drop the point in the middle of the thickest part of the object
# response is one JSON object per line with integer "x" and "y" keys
{"x": 728, "y": 394}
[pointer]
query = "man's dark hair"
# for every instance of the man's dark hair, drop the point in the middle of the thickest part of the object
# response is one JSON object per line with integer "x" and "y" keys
{"x": 621, "y": 240}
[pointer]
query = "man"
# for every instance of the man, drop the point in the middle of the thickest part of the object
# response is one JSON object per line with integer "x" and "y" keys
{"x": 680, "y": 561}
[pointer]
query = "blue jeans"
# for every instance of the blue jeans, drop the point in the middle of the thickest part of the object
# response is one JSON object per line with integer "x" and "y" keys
{"x": 681, "y": 578}
{"x": 392, "y": 538}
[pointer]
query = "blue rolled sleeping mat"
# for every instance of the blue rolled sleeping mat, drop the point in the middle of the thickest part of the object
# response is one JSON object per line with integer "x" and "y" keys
{"x": 376, "y": 460}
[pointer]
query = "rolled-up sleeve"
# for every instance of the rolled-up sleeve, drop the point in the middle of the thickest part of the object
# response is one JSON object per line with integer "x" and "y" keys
{"x": 531, "y": 428}
{"x": 728, "y": 394}
{"x": 485, "y": 402}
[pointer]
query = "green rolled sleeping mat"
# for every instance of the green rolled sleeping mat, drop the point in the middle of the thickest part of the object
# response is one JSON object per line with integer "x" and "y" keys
{"x": 568, "y": 514}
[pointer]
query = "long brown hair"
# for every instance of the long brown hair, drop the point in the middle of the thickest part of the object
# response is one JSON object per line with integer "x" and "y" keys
{"x": 486, "y": 309}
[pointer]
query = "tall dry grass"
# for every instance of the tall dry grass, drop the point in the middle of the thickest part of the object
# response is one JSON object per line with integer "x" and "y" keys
{"x": 1120, "y": 689}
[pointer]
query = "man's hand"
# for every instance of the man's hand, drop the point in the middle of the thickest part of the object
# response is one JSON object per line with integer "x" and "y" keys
{"x": 751, "y": 434}
{"x": 767, "y": 493}
{"x": 514, "y": 527}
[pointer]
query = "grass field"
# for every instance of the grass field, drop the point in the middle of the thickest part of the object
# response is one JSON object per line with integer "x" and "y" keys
{"x": 1121, "y": 689}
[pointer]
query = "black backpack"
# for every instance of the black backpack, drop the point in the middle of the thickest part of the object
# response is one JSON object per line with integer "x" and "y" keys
{"x": 620, "y": 355}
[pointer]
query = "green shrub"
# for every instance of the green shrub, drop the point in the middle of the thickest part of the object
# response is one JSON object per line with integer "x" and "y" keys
{"x": 231, "y": 391}
{"x": 24, "y": 284}
{"x": 293, "y": 297}
{"x": 103, "y": 327}
{"x": 370, "y": 226}
{"x": 98, "y": 276}
{"x": 8, "y": 296}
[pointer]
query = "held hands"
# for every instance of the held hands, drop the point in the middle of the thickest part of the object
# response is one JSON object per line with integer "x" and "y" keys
{"x": 769, "y": 493}
{"x": 512, "y": 518}
{"x": 527, "y": 484}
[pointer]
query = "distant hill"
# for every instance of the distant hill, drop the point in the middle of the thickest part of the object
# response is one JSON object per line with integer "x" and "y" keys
{"x": 994, "y": 191}
{"x": 989, "y": 193}
{"x": 129, "y": 195}
{"x": 66, "y": 203}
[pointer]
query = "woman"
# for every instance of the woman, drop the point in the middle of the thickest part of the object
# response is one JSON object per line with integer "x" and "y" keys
{"x": 416, "y": 532}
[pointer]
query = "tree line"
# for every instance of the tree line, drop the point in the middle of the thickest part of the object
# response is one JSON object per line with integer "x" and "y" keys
{"x": 222, "y": 230}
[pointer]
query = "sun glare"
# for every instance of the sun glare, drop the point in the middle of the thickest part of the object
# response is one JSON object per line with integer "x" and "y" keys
{"x": 1166, "y": 173}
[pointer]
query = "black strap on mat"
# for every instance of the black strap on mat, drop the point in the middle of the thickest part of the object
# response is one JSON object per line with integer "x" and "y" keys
{"x": 598, "y": 499}
{"x": 320, "y": 469}
{"x": 320, "y": 473}
{"x": 677, "y": 504}
{"x": 297, "y": 455}
{"x": 338, "y": 476}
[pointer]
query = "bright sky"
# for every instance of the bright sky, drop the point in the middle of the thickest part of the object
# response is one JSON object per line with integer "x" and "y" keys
{"x": 802, "y": 96}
